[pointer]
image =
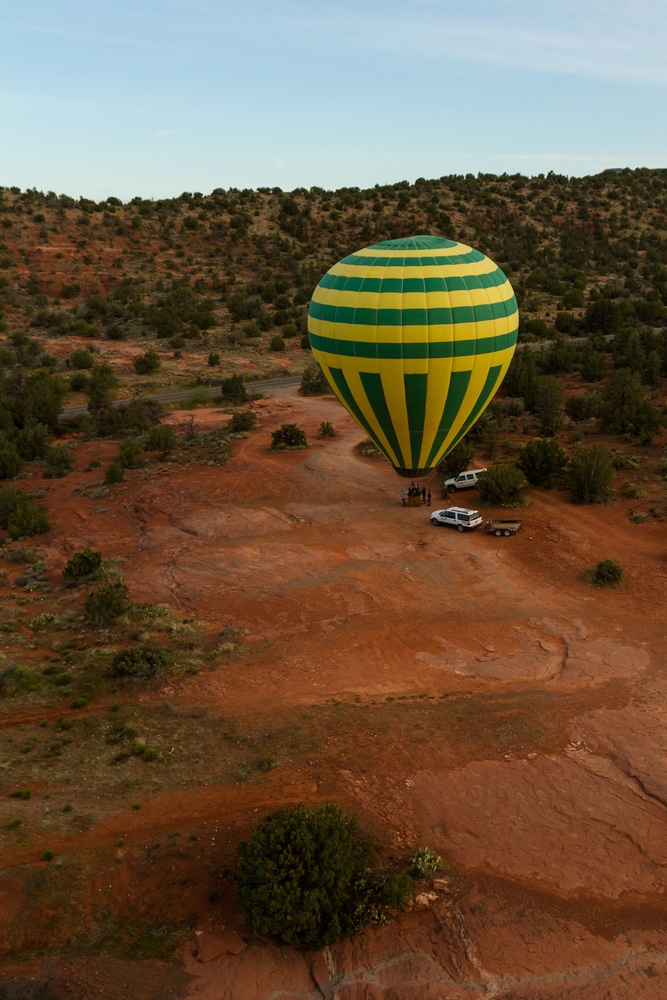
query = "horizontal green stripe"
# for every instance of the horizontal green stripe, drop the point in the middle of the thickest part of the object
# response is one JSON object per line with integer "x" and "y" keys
{"x": 399, "y": 261}
{"x": 413, "y": 352}
{"x": 415, "y": 243}
{"x": 347, "y": 315}
{"x": 455, "y": 283}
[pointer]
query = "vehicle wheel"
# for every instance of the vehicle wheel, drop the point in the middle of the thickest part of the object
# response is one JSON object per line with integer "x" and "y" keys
{"x": 459, "y": 527}
{"x": 451, "y": 489}
{"x": 507, "y": 533}
{"x": 498, "y": 532}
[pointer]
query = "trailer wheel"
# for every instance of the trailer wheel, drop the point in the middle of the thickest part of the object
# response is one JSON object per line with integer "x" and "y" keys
{"x": 498, "y": 532}
{"x": 507, "y": 532}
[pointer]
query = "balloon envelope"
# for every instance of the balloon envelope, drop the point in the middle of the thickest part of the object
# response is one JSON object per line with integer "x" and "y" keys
{"x": 414, "y": 336}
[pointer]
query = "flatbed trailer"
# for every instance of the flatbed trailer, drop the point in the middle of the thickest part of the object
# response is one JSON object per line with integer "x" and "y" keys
{"x": 509, "y": 526}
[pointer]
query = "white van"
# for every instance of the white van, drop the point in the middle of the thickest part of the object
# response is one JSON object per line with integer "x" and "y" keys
{"x": 461, "y": 518}
{"x": 464, "y": 480}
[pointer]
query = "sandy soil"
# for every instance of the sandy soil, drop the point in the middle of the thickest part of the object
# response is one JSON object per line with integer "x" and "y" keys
{"x": 460, "y": 691}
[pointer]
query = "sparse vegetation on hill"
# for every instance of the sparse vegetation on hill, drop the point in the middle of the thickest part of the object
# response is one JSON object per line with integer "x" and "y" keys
{"x": 237, "y": 267}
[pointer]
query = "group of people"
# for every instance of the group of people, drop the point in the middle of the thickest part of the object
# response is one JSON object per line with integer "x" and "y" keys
{"x": 415, "y": 490}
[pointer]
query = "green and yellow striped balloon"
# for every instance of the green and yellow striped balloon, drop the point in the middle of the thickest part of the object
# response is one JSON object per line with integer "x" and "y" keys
{"x": 414, "y": 336}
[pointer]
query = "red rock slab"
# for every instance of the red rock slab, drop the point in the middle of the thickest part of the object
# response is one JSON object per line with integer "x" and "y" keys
{"x": 212, "y": 944}
{"x": 560, "y": 821}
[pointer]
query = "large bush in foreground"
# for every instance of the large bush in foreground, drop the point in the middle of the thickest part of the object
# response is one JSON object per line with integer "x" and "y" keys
{"x": 303, "y": 876}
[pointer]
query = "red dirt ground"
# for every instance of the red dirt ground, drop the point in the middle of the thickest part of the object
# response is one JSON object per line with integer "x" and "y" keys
{"x": 469, "y": 693}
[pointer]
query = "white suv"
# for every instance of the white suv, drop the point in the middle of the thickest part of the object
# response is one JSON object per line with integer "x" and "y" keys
{"x": 464, "y": 480}
{"x": 461, "y": 518}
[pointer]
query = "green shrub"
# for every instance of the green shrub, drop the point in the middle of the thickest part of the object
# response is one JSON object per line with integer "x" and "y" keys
{"x": 32, "y": 441}
{"x": 326, "y": 430}
{"x": 425, "y": 862}
{"x": 11, "y": 499}
{"x": 142, "y": 661}
{"x": 199, "y": 396}
{"x": 114, "y": 474}
{"x": 607, "y": 574}
{"x": 620, "y": 460}
{"x": 548, "y": 405}
{"x": 277, "y": 343}
{"x": 233, "y": 390}
{"x": 244, "y": 420}
{"x": 17, "y": 680}
{"x": 161, "y": 438}
{"x": 11, "y": 463}
{"x": 625, "y": 408}
{"x": 213, "y": 359}
{"x": 28, "y": 520}
{"x": 21, "y": 793}
{"x": 107, "y": 603}
{"x": 581, "y": 407}
{"x": 82, "y": 565}
{"x": 130, "y": 455}
{"x": 288, "y": 436}
{"x": 313, "y": 381}
{"x": 397, "y": 889}
{"x": 147, "y": 363}
{"x": 301, "y": 878}
{"x": 503, "y": 486}
{"x": 543, "y": 462}
{"x": 590, "y": 474}
{"x": 59, "y": 461}
{"x": 81, "y": 359}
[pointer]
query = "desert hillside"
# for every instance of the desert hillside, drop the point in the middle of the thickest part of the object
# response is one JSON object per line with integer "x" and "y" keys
{"x": 264, "y": 627}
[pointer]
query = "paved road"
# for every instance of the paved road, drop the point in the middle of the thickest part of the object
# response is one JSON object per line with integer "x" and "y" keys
{"x": 181, "y": 395}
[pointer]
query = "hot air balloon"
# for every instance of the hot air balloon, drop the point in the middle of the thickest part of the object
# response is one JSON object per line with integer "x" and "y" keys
{"x": 414, "y": 336}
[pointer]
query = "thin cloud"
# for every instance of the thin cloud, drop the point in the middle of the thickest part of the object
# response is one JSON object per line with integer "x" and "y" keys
{"x": 94, "y": 37}
{"x": 594, "y": 39}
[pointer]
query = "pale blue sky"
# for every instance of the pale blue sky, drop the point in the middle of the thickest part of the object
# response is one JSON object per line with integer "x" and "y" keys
{"x": 155, "y": 97}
